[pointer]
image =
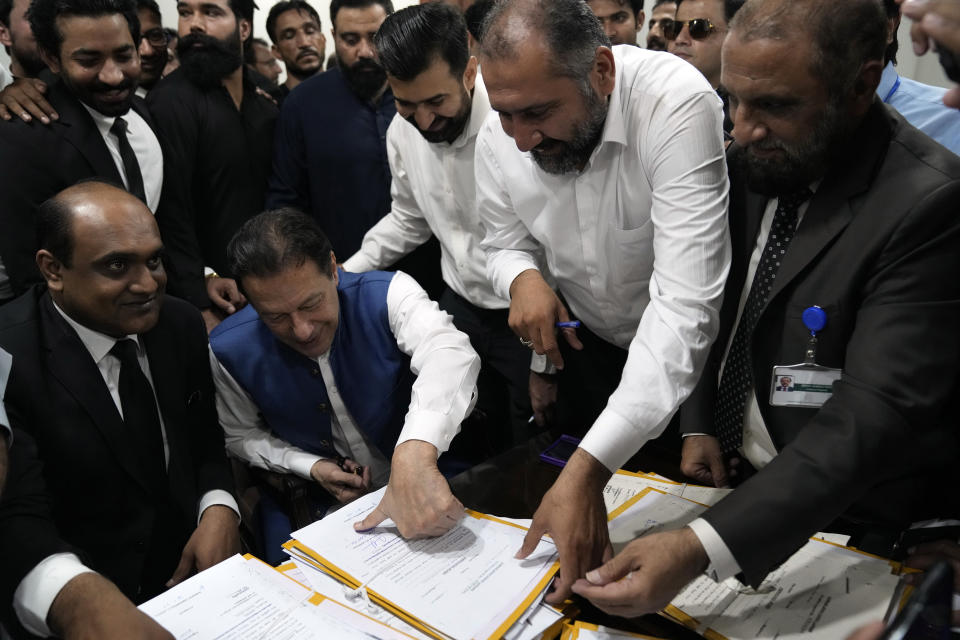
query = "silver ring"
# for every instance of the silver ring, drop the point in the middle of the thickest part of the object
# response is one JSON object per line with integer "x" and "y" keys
{"x": 527, "y": 343}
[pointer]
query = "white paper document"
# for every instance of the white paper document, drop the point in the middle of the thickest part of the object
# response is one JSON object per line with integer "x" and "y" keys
{"x": 242, "y": 599}
{"x": 585, "y": 631}
{"x": 652, "y": 511}
{"x": 464, "y": 584}
{"x": 624, "y": 485}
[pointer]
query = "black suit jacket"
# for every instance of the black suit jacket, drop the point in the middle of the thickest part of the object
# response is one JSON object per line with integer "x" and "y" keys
{"x": 879, "y": 249}
{"x": 74, "y": 482}
{"x": 36, "y": 162}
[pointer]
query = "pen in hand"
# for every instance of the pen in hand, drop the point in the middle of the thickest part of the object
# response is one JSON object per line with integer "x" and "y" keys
{"x": 572, "y": 324}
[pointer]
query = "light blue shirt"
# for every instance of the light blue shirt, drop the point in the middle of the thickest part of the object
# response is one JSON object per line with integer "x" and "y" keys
{"x": 922, "y": 106}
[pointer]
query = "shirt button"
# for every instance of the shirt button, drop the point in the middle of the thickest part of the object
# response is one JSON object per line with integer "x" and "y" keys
{"x": 321, "y": 406}
{"x": 315, "y": 371}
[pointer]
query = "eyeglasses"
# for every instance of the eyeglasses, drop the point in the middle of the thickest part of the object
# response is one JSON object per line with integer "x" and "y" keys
{"x": 699, "y": 28}
{"x": 157, "y": 37}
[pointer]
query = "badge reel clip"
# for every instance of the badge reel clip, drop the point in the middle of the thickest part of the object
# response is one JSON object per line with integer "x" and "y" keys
{"x": 807, "y": 384}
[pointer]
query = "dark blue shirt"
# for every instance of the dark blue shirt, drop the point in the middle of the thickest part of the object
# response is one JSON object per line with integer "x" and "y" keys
{"x": 330, "y": 158}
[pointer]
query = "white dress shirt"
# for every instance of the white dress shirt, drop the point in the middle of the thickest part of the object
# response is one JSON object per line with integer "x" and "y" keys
{"x": 757, "y": 445}
{"x": 443, "y": 394}
{"x": 145, "y": 146}
{"x": 637, "y": 241}
{"x": 434, "y": 191}
{"x": 6, "y": 361}
{"x": 6, "y": 78}
{"x": 38, "y": 589}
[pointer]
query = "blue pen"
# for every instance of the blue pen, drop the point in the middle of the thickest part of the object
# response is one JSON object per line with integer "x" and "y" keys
{"x": 573, "y": 324}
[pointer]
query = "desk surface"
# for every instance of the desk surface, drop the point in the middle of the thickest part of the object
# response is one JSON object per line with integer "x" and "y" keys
{"x": 512, "y": 484}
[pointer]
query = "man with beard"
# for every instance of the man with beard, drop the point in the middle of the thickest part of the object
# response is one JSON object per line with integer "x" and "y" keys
{"x": 844, "y": 225}
{"x": 330, "y": 156}
{"x": 662, "y": 11}
{"x": 18, "y": 41}
{"x": 607, "y": 166}
{"x": 217, "y": 132}
{"x": 153, "y": 45}
{"x": 441, "y": 103}
{"x": 294, "y": 28}
{"x": 262, "y": 63}
{"x": 97, "y": 133}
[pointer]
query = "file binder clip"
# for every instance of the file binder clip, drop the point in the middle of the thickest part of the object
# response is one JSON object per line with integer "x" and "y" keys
{"x": 360, "y": 593}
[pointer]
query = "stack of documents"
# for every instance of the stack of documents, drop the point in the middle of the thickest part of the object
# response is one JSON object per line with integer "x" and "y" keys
{"x": 579, "y": 630}
{"x": 243, "y": 598}
{"x": 823, "y": 591}
{"x": 625, "y": 484}
{"x": 463, "y": 585}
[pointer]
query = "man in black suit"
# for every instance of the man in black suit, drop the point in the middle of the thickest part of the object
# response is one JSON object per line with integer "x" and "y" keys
{"x": 100, "y": 479}
{"x": 876, "y": 250}
{"x": 103, "y": 129}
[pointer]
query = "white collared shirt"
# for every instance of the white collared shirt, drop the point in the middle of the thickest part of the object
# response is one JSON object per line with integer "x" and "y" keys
{"x": 38, "y": 589}
{"x": 637, "y": 241}
{"x": 443, "y": 394}
{"x": 757, "y": 445}
{"x": 6, "y": 362}
{"x": 434, "y": 191}
{"x": 145, "y": 146}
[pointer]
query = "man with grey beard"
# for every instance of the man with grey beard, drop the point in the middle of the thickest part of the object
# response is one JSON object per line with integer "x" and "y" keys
{"x": 844, "y": 227}
{"x": 607, "y": 166}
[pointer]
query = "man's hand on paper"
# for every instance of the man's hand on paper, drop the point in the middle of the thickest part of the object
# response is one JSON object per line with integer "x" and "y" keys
{"x": 573, "y": 513}
{"x": 872, "y": 631}
{"x": 418, "y": 498}
{"x": 25, "y": 100}
{"x": 90, "y": 607}
{"x": 646, "y": 575}
{"x": 534, "y": 310}
{"x": 702, "y": 460}
{"x": 216, "y": 538}
{"x": 543, "y": 397}
{"x": 345, "y": 486}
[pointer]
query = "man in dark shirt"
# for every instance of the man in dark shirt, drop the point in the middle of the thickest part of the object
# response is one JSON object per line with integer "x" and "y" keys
{"x": 330, "y": 156}
{"x": 216, "y": 132}
{"x": 294, "y": 28}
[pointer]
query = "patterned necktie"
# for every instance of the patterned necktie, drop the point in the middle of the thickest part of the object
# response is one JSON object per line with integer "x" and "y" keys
{"x": 131, "y": 166}
{"x": 737, "y": 379}
{"x": 140, "y": 410}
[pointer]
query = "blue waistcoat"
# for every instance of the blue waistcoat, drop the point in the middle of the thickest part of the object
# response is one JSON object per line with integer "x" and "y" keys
{"x": 372, "y": 374}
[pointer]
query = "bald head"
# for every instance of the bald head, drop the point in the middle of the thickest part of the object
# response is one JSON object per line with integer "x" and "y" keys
{"x": 844, "y": 35}
{"x": 567, "y": 31}
{"x": 55, "y": 216}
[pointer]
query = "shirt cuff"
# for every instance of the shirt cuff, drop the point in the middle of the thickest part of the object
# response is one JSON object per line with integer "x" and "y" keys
{"x": 510, "y": 264}
{"x": 722, "y": 563}
{"x": 431, "y": 427}
{"x": 300, "y": 463}
{"x": 39, "y": 588}
{"x": 613, "y": 440}
{"x": 216, "y": 497}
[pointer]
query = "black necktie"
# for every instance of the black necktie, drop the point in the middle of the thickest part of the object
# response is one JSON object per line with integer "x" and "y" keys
{"x": 130, "y": 165}
{"x": 140, "y": 410}
{"x": 737, "y": 379}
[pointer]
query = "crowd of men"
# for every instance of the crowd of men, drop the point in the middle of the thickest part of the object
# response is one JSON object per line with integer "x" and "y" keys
{"x": 732, "y": 248}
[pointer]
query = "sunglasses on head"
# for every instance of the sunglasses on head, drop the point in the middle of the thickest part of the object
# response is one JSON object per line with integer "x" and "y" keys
{"x": 699, "y": 28}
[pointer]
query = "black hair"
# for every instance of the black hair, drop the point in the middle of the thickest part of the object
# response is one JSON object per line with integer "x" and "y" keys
{"x": 411, "y": 39}
{"x": 171, "y": 34}
{"x": 569, "y": 28}
{"x": 151, "y": 6}
{"x": 473, "y": 16}
{"x": 275, "y": 240}
{"x": 730, "y": 7}
{"x": 288, "y": 5}
{"x": 6, "y": 6}
{"x": 657, "y": 3}
{"x": 249, "y": 55}
{"x": 844, "y": 34}
{"x": 336, "y": 5}
{"x": 244, "y": 9}
{"x": 893, "y": 10}
{"x": 43, "y": 15}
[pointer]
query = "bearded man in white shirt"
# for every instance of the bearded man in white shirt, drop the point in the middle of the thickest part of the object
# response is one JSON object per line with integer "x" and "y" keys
{"x": 441, "y": 104}
{"x": 615, "y": 175}
{"x": 354, "y": 381}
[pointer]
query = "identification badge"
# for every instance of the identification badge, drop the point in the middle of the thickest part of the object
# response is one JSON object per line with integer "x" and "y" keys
{"x": 802, "y": 385}
{"x": 807, "y": 384}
